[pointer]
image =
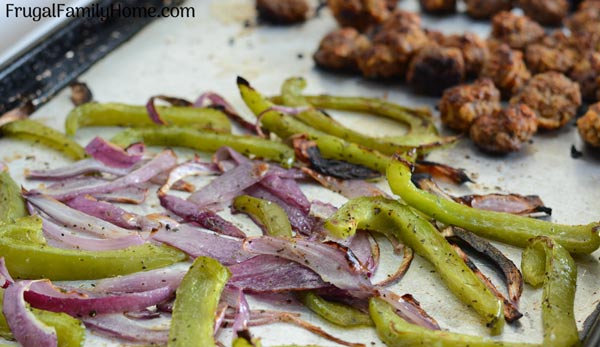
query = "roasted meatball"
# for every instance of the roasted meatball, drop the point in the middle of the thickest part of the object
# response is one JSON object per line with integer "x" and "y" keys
{"x": 487, "y": 8}
{"x": 505, "y": 130}
{"x": 517, "y": 31}
{"x": 506, "y": 68}
{"x": 586, "y": 19}
{"x": 589, "y": 125}
{"x": 340, "y": 49}
{"x": 438, "y": 6}
{"x": 400, "y": 20}
{"x": 391, "y": 52}
{"x": 547, "y": 12}
{"x": 391, "y": 4}
{"x": 586, "y": 73}
{"x": 436, "y": 68}
{"x": 461, "y": 105}
{"x": 474, "y": 50}
{"x": 359, "y": 14}
{"x": 436, "y": 36}
{"x": 552, "y": 96}
{"x": 553, "y": 53}
{"x": 380, "y": 61}
{"x": 282, "y": 11}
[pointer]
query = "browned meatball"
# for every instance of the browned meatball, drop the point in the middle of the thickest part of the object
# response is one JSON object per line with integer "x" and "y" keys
{"x": 340, "y": 49}
{"x": 553, "y": 53}
{"x": 547, "y": 12}
{"x": 359, "y": 14}
{"x": 391, "y": 52}
{"x": 552, "y": 96}
{"x": 474, "y": 49}
{"x": 436, "y": 68}
{"x": 436, "y": 36}
{"x": 438, "y": 6}
{"x": 487, "y": 8}
{"x": 461, "y": 105}
{"x": 505, "y": 130}
{"x": 585, "y": 41}
{"x": 517, "y": 31}
{"x": 506, "y": 69}
{"x": 586, "y": 19}
{"x": 589, "y": 125}
{"x": 282, "y": 11}
{"x": 400, "y": 20}
{"x": 586, "y": 73}
{"x": 380, "y": 61}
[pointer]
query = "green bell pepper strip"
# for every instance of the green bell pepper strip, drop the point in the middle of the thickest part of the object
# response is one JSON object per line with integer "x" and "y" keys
{"x": 242, "y": 342}
{"x": 396, "y": 332}
{"x": 207, "y": 142}
{"x": 270, "y": 215}
{"x": 334, "y": 312}
{"x": 33, "y": 131}
{"x": 291, "y": 96}
{"x": 331, "y": 147}
{"x": 69, "y": 331}
{"x": 394, "y": 219}
{"x": 504, "y": 227}
{"x": 12, "y": 204}
{"x": 546, "y": 262}
{"x": 196, "y": 303}
{"x": 28, "y": 255}
{"x": 114, "y": 114}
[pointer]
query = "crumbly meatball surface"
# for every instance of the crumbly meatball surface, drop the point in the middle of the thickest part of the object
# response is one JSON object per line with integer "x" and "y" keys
{"x": 506, "y": 68}
{"x": 546, "y": 12}
{"x": 481, "y": 9}
{"x": 504, "y": 131}
{"x": 438, "y": 6}
{"x": 552, "y": 96}
{"x": 405, "y": 43}
{"x": 553, "y": 53}
{"x": 359, "y": 14}
{"x": 586, "y": 73}
{"x": 282, "y": 11}
{"x": 435, "y": 68}
{"x": 380, "y": 61}
{"x": 585, "y": 19}
{"x": 400, "y": 20}
{"x": 516, "y": 31}
{"x": 474, "y": 49}
{"x": 461, "y": 105}
{"x": 589, "y": 125}
{"x": 340, "y": 49}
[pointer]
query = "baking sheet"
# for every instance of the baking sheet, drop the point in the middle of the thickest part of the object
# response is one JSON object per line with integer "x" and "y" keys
{"x": 185, "y": 57}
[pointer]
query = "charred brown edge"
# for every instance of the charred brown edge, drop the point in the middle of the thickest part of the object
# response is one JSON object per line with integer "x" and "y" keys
{"x": 456, "y": 175}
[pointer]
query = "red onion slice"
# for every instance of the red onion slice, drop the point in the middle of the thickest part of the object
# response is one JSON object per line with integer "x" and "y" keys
{"x": 230, "y": 184}
{"x": 45, "y": 296}
{"x": 334, "y": 263}
{"x": 5, "y": 277}
{"x": 198, "y": 242}
{"x": 153, "y": 113}
{"x": 65, "y": 215}
{"x": 409, "y": 309}
{"x": 135, "y": 195}
{"x": 203, "y": 217}
{"x": 113, "y": 155}
{"x": 216, "y": 100}
{"x": 81, "y": 167}
{"x": 161, "y": 162}
{"x": 366, "y": 250}
{"x": 189, "y": 168}
{"x": 105, "y": 211}
{"x": 119, "y": 326}
{"x": 141, "y": 281}
{"x": 26, "y": 328}
{"x": 267, "y": 273}
{"x": 66, "y": 237}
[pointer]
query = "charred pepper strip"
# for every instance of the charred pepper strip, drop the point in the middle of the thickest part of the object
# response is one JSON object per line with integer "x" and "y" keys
{"x": 196, "y": 303}
{"x": 394, "y": 219}
{"x": 396, "y": 332}
{"x": 12, "y": 204}
{"x": 546, "y": 262}
{"x": 70, "y": 331}
{"x": 114, "y": 114}
{"x": 28, "y": 255}
{"x": 270, "y": 215}
{"x": 207, "y": 142}
{"x": 334, "y": 312}
{"x": 285, "y": 126}
{"x": 30, "y": 130}
{"x": 504, "y": 227}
